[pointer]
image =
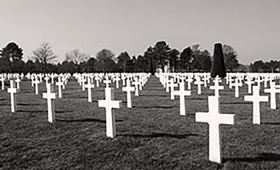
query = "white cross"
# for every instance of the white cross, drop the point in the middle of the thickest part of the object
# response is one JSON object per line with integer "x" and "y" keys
{"x": 256, "y": 99}
{"x": 168, "y": 82}
{"x": 123, "y": 79}
{"x": 216, "y": 86}
{"x": 249, "y": 82}
{"x": 198, "y": 82}
{"x": 97, "y": 78}
{"x": 172, "y": 85}
{"x": 107, "y": 81}
{"x": 36, "y": 82}
{"x": 117, "y": 79}
{"x": 17, "y": 81}
{"x": 49, "y": 96}
{"x": 89, "y": 86}
{"x": 59, "y": 84}
{"x": 214, "y": 119}
{"x": 265, "y": 81}
{"x": 236, "y": 84}
{"x": 182, "y": 93}
{"x": 189, "y": 81}
{"x": 2, "y": 79}
{"x": 136, "y": 83}
{"x": 273, "y": 90}
{"x": 259, "y": 81}
{"x": 109, "y": 104}
{"x": 205, "y": 79}
{"x": 128, "y": 90}
{"x": 13, "y": 91}
{"x": 82, "y": 81}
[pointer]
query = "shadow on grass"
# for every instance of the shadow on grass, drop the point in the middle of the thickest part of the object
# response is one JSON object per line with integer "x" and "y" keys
{"x": 271, "y": 123}
{"x": 85, "y": 120}
{"x": 155, "y": 95}
{"x": 63, "y": 111}
{"x": 236, "y": 103}
{"x": 32, "y": 111}
{"x": 161, "y": 107}
{"x": 199, "y": 98}
{"x": 28, "y": 104}
{"x": 157, "y": 135}
{"x": 155, "y": 89}
{"x": 259, "y": 158}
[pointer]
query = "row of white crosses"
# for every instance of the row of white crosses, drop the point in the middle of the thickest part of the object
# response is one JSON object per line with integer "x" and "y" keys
{"x": 214, "y": 118}
{"x": 109, "y": 103}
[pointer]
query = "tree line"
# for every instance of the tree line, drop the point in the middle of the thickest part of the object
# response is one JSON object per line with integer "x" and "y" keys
{"x": 157, "y": 57}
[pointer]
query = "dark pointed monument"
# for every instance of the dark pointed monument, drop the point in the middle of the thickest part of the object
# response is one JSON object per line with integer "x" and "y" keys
{"x": 218, "y": 65}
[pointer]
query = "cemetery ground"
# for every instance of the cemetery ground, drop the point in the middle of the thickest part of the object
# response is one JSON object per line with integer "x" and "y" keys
{"x": 151, "y": 135}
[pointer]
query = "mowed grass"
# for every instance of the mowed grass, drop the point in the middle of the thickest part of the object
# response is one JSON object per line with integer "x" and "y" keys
{"x": 151, "y": 135}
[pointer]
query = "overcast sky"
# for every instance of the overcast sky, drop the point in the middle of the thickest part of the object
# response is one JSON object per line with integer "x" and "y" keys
{"x": 251, "y": 27}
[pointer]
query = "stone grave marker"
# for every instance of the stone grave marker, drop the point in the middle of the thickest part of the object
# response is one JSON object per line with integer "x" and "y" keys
{"x": 89, "y": 86}
{"x": 107, "y": 81}
{"x": 59, "y": 83}
{"x": 2, "y": 79}
{"x": 273, "y": 90}
{"x": 49, "y": 96}
{"x": 136, "y": 83}
{"x": 36, "y": 82}
{"x": 172, "y": 85}
{"x": 216, "y": 86}
{"x": 198, "y": 82}
{"x": 256, "y": 99}
{"x": 214, "y": 119}
{"x": 182, "y": 93}
{"x": 128, "y": 90}
{"x": 236, "y": 84}
{"x": 109, "y": 104}
{"x": 13, "y": 92}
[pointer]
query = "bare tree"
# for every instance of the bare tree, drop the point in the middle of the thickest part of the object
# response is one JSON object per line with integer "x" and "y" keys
{"x": 76, "y": 57}
{"x": 44, "y": 54}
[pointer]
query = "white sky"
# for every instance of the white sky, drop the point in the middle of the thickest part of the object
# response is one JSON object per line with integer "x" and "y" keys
{"x": 251, "y": 27}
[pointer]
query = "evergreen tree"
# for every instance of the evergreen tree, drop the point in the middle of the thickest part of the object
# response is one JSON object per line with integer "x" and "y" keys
{"x": 218, "y": 65}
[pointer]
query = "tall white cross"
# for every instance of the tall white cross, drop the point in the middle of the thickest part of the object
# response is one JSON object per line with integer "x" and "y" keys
{"x": 273, "y": 90}
{"x": 136, "y": 83}
{"x": 109, "y": 104}
{"x": 168, "y": 82}
{"x": 123, "y": 79}
{"x": 182, "y": 93}
{"x": 17, "y": 81}
{"x": 49, "y": 96}
{"x": 198, "y": 82}
{"x": 59, "y": 83}
{"x": 36, "y": 82}
{"x": 128, "y": 90}
{"x": 83, "y": 81}
{"x": 237, "y": 84}
{"x": 189, "y": 81}
{"x": 205, "y": 79}
{"x": 107, "y": 81}
{"x": 256, "y": 99}
{"x": 117, "y": 80}
{"x": 2, "y": 79}
{"x": 249, "y": 82}
{"x": 97, "y": 78}
{"x": 214, "y": 119}
{"x": 172, "y": 85}
{"x": 13, "y": 91}
{"x": 216, "y": 86}
{"x": 89, "y": 86}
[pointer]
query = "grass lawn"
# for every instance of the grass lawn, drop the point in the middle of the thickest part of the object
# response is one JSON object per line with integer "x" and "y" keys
{"x": 151, "y": 135}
